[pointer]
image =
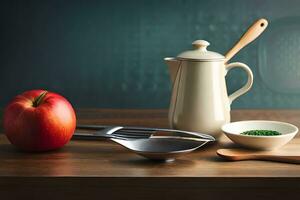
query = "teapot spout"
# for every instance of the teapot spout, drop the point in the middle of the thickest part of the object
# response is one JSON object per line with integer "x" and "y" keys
{"x": 173, "y": 65}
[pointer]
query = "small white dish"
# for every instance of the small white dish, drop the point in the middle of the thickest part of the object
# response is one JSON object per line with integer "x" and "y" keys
{"x": 233, "y": 132}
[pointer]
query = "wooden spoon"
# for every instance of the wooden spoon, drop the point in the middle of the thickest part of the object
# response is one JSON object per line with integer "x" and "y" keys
{"x": 251, "y": 34}
{"x": 277, "y": 156}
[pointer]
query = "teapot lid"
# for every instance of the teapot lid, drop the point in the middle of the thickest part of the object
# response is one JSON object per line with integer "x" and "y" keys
{"x": 200, "y": 53}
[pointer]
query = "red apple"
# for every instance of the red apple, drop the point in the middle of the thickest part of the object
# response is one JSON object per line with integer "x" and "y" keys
{"x": 39, "y": 120}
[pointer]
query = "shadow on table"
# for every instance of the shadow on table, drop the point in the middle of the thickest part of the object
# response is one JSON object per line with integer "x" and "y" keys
{"x": 143, "y": 162}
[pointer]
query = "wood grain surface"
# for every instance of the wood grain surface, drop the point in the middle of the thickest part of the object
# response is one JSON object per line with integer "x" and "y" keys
{"x": 91, "y": 168}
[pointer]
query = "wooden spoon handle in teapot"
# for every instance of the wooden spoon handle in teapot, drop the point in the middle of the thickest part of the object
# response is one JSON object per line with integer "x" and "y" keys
{"x": 239, "y": 155}
{"x": 251, "y": 34}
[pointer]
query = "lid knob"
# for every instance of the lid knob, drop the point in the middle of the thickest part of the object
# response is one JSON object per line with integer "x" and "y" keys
{"x": 200, "y": 45}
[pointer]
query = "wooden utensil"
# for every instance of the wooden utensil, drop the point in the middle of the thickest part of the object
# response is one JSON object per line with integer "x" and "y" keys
{"x": 251, "y": 34}
{"x": 277, "y": 156}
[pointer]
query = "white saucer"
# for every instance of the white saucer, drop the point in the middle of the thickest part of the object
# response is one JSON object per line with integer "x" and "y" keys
{"x": 233, "y": 132}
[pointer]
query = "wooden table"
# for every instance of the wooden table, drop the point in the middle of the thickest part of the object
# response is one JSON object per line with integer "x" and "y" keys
{"x": 101, "y": 169}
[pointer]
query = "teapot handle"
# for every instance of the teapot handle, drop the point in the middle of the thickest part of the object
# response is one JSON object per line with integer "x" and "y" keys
{"x": 247, "y": 86}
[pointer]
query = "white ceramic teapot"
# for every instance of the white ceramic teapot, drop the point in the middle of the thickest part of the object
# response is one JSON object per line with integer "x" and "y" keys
{"x": 199, "y": 99}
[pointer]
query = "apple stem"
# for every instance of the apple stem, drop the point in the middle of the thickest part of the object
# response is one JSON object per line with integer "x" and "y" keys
{"x": 37, "y": 101}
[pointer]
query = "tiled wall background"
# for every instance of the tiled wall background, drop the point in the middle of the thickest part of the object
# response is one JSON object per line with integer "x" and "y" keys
{"x": 110, "y": 53}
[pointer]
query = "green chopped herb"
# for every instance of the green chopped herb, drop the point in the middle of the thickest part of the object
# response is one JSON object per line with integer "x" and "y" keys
{"x": 261, "y": 133}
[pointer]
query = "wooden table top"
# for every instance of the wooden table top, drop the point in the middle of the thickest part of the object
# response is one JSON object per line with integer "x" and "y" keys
{"x": 106, "y": 159}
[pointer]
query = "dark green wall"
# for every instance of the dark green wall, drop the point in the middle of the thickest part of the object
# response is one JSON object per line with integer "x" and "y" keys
{"x": 110, "y": 53}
